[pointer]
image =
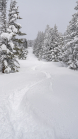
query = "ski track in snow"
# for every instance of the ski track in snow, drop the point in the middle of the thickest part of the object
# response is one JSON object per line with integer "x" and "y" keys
{"x": 15, "y": 99}
{"x": 14, "y": 102}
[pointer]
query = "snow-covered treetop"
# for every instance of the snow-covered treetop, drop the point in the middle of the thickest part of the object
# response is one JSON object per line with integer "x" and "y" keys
{"x": 13, "y": 16}
{"x": 76, "y": 8}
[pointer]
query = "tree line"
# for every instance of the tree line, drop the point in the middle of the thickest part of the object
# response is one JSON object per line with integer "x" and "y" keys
{"x": 54, "y": 46}
{"x": 11, "y": 47}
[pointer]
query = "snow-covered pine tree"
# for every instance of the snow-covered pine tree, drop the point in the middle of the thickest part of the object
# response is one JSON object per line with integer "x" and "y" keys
{"x": 40, "y": 45}
{"x": 70, "y": 54}
{"x": 52, "y": 44}
{"x": 8, "y": 59}
{"x": 55, "y": 44}
{"x": 60, "y": 46}
{"x": 3, "y": 4}
{"x": 0, "y": 14}
{"x": 46, "y": 43}
{"x": 30, "y": 43}
{"x": 37, "y": 47}
{"x": 3, "y": 22}
{"x": 15, "y": 27}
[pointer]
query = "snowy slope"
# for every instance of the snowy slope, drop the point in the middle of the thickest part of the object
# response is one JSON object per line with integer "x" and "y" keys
{"x": 39, "y": 102}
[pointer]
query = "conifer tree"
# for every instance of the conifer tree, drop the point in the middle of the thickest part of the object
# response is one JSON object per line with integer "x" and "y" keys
{"x": 3, "y": 22}
{"x": 56, "y": 44}
{"x": 52, "y": 44}
{"x": 70, "y": 54}
{"x": 13, "y": 25}
{"x": 60, "y": 46}
{"x": 8, "y": 59}
{"x": 46, "y": 43}
{"x": 8, "y": 48}
{"x": 37, "y": 47}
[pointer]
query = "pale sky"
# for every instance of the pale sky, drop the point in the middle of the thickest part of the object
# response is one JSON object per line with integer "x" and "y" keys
{"x": 37, "y": 14}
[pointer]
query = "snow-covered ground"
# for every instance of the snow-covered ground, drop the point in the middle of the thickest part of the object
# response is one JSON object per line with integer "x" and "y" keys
{"x": 39, "y": 102}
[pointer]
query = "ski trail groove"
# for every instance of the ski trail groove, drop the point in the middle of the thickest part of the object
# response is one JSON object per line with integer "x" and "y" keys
{"x": 16, "y": 98}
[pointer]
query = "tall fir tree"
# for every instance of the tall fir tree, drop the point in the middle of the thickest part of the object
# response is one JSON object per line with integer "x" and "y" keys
{"x": 20, "y": 50}
{"x": 3, "y": 22}
{"x": 8, "y": 59}
{"x": 52, "y": 44}
{"x": 46, "y": 46}
{"x": 8, "y": 46}
{"x": 37, "y": 47}
{"x": 70, "y": 50}
{"x": 56, "y": 44}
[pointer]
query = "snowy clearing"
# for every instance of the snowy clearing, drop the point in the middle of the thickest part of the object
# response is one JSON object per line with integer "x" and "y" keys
{"x": 39, "y": 102}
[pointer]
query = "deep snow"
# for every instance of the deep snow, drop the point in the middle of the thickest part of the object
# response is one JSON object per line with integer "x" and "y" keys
{"x": 39, "y": 102}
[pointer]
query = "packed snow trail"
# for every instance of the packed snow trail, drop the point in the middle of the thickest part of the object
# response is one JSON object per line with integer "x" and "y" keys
{"x": 39, "y": 102}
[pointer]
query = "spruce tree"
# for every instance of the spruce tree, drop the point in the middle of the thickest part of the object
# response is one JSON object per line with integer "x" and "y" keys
{"x": 37, "y": 47}
{"x": 56, "y": 44}
{"x": 70, "y": 54}
{"x": 3, "y": 22}
{"x": 8, "y": 59}
{"x": 52, "y": 44}
{"x": 60, "y": 46}
{"x": 13, "y": 25}
{"x": 46, "y": 43}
